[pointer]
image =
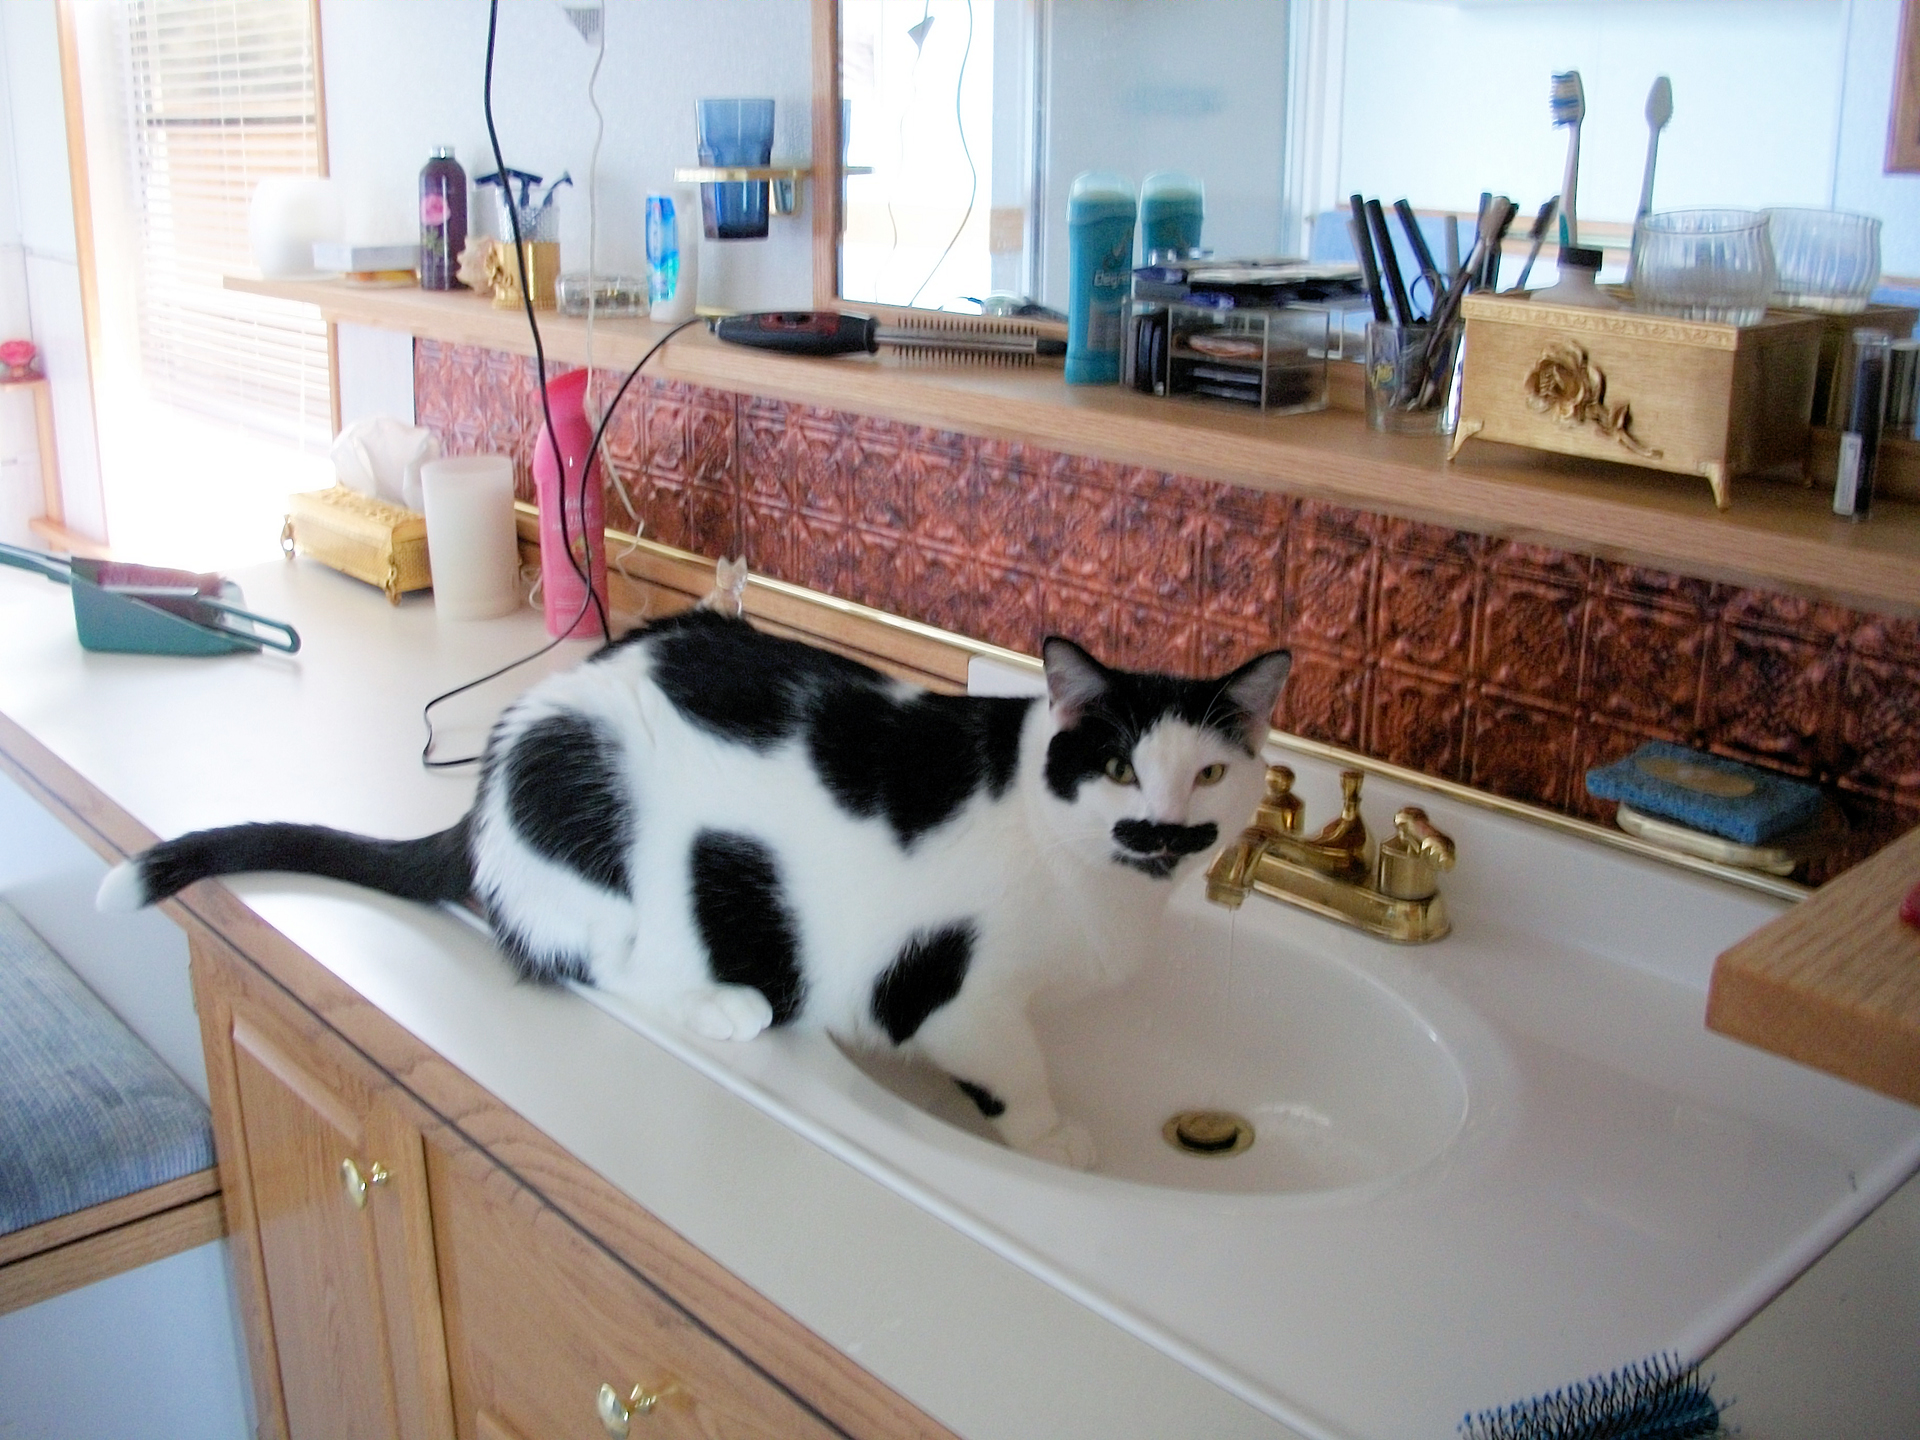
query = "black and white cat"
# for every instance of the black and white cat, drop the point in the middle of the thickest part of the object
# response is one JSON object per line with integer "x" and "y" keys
{"x": 739, "y": 830}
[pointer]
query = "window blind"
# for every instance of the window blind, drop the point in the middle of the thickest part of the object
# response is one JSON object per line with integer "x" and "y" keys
{"x": 220, "y": 95}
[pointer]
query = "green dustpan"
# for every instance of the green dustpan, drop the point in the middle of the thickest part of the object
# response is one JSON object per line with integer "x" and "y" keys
{"x": 148, "y": 610}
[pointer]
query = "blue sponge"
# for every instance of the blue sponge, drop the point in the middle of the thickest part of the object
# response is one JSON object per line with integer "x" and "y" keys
{"x": 1705, "y": 792}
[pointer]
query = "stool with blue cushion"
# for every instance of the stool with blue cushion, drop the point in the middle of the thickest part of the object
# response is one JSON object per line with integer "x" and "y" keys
{"x": 106, "y": 1158}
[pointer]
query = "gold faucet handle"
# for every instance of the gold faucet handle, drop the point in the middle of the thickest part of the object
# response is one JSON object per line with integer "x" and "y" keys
{"x": 1282, "y": 811}
{"x": 1350, "y": 793}
{"x": 1420, "y": 837}
{"x": 1410, "y": 863}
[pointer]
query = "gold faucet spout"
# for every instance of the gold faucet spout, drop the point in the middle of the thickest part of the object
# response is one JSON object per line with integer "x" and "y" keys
{"x": 1230, "y": 876}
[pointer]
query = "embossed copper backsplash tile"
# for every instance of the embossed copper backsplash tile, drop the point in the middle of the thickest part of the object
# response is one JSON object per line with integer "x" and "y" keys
{"x": 1507, "y": 666}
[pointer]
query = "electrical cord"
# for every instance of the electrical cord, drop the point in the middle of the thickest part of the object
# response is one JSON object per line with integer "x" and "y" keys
{"x": 583, "y": 570}
{"x": 426, "y": 711}
{"x": 582, "y": 563}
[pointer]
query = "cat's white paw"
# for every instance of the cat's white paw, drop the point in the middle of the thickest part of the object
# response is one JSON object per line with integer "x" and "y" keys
{"x": 1068, "y": 1143}
{"x": 725, "y": 1012}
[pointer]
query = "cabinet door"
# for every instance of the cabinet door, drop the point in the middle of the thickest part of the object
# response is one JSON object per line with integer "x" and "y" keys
{"x": 540, "y": 1319}
{"x": 335, "y": 1214}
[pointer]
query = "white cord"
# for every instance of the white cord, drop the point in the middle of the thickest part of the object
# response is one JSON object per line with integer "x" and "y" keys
{"x": 593, "y": 207}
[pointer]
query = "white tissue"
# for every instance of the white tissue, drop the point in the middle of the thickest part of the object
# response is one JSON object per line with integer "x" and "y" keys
{"x": 381, "y": 457}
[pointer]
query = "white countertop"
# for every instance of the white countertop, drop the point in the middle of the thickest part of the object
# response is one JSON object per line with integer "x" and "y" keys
{"x": 973, "y": 1322}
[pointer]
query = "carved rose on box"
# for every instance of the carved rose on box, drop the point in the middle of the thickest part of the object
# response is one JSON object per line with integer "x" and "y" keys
{"x": 1566, "y": 385}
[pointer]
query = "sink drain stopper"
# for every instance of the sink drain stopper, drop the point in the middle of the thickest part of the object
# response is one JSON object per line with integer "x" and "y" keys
{"x": 1208, "y": 1132}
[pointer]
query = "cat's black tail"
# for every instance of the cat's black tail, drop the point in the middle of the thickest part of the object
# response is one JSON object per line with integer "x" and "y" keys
{"x": 434, "y": 867}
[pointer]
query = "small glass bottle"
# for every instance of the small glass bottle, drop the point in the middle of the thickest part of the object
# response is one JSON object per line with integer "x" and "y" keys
{"x": 443, "y": 220}
{"x": 1866, "y": 409}
{"x": 1579, "y": 267}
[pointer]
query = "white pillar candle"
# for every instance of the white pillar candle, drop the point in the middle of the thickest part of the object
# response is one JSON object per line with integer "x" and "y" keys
{"x": 471, "y": 542}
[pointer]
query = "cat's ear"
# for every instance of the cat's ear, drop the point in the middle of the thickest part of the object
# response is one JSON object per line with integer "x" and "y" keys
{"x": 1074, "y": 679}
{"x": 1254, "y": 689}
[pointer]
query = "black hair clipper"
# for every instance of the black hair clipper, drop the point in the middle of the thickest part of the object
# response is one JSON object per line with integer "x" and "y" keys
{"x": 802, "y": 332}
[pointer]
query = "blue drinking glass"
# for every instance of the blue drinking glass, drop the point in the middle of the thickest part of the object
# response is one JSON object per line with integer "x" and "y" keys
{"x": 735, "y": 132}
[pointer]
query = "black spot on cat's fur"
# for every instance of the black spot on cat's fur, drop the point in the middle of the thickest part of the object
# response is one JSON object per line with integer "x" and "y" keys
{"x": 743, "y": 917}
{"x": 732, "y": 680}
{"x": 911, "y": 761}
{"x": 926, "y": 974}
{"x": 988, "y": 1103}
{"x": 914, "y": 762}
{"x": 566, "y": 798}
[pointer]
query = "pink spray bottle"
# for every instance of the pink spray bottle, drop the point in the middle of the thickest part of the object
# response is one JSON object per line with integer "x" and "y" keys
{"x": 563, "y": 594}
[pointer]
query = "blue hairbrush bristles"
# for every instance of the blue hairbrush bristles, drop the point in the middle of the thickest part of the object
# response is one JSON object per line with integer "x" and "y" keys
{"x": 1569, "y": 107}
{"x": 1657, "y": 1399}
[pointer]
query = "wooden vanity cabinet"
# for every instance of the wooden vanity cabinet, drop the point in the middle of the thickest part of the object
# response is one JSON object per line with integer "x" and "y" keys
{"x": 544, "y": 1328}
{"x": 397, "y": 1280}
{"x": 325, "y": 1178}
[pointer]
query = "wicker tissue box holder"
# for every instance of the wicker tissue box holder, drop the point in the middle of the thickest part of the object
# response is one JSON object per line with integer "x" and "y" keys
{"x": 372, "y": 540}
{"x": 1691, "y": 396}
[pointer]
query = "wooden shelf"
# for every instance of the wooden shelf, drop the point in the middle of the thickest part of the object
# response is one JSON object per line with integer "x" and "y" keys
{"x": 1777, "y": 535}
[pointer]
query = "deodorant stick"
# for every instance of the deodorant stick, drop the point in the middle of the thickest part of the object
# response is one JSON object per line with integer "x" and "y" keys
{"x": 1100, "y": 213}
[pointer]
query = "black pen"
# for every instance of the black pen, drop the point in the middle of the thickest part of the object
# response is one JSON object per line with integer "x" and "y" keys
{"x": 1364, "y": 249}
{"x": 1421, "y": 253}
{"x": 1389, "y": 264}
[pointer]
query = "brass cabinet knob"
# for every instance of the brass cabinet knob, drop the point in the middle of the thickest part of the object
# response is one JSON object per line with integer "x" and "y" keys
{"x": 356, "y": 1184}
{"x": 616, "y": 1412}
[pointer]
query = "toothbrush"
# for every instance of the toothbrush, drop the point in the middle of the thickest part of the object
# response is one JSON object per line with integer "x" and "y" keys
{"x": 1569, "y": 108}
{"x": 1659, "y": 112}
{"x": 1538, "y": 237}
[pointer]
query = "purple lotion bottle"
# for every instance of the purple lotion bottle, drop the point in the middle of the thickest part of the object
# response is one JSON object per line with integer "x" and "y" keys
{"x": 443, "y": 220}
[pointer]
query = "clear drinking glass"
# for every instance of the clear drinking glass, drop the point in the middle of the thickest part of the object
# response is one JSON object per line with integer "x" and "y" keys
{"x": 1826, "y": 259}
{"x": 1704, "y": 265}
{"x": 1408, "y": 374}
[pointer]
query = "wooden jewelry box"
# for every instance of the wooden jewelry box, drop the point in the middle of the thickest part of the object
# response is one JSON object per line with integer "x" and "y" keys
{"x": 372, "y": 540}
{"x": 1691, "y": 396}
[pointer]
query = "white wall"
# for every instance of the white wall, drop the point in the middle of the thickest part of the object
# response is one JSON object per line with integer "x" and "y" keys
{"x": 40, "y": 243}
{"x": 405, "y": 75}
{"x": 1776, "y": 102}
{"x": 1860, "y": 183}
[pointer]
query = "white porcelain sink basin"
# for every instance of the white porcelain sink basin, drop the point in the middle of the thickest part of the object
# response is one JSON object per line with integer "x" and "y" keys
{"x": 1340, "y": 1080}
{"x": 1485, "y": 1167}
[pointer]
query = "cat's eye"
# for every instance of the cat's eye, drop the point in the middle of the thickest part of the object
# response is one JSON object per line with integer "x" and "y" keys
{"x": 1119, "y": 771}
{"x": 1211, "y": 774}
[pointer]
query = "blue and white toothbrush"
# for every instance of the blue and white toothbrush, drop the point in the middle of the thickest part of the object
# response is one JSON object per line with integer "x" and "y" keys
{"x": 1569, "y": 107}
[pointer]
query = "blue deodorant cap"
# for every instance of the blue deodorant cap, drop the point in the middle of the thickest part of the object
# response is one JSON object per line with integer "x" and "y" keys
{"x": 1100, "y": 215}
{"x": 1172, "y": 209}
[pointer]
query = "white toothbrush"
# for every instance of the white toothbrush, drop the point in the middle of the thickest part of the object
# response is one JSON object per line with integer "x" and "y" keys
{"x": 1569, "y": 107}
{"x": 1659, "y": 112}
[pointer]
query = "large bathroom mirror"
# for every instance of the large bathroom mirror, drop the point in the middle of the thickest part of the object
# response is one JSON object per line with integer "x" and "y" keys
{"x": 974, "y": 116}
{"x": 971, "y": 118}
